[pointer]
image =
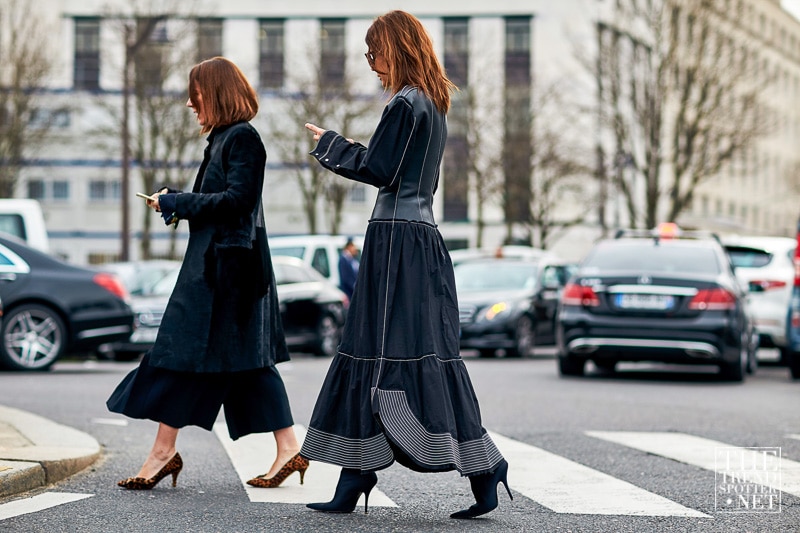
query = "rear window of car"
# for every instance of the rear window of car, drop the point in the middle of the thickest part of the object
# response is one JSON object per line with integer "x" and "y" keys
{"x": 742, "y": 256}
{"x": 648, "y": 256}
{"x": 480, "y": 276}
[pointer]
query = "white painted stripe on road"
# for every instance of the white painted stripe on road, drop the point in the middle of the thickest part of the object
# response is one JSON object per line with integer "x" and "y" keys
{"x": 39, "y": 502}
{"x": 253, "y": 454}
{"x": 697, "y": 451}
{"x": 569, "y": 487}
{"x": 122, "y": 422}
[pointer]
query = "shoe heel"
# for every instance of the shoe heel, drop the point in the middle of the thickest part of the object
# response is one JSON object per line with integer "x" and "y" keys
{"x": 366, "y": 499}
{"x": 505, "y": 483}
{"x": 302, "y": 475}
{"x": 175, "y": 478}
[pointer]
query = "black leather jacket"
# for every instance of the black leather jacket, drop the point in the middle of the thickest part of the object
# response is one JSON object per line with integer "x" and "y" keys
{"x": 403, "y": 157}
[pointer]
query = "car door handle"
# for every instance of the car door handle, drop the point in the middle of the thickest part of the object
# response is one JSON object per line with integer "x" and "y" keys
{"x": 8, "y": 276}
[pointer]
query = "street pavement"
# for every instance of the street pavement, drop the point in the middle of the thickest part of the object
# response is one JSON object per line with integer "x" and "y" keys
{"x": 35, "y": 451}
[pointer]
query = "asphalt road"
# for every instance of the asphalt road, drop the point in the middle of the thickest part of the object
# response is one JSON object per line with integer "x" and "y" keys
{"x": 645, "y": 449}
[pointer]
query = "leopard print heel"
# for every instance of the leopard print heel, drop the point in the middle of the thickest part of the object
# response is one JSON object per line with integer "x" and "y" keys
{"x": 295, "y": 464}
{"x": 174, "y": 467}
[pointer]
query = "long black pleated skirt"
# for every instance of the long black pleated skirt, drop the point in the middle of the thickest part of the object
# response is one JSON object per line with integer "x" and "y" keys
{"x": 254, "y": 401}
{"x": 398, "y": 388}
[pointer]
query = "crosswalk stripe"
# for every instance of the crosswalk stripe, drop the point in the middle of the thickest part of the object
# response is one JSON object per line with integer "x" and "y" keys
{"x": 39, "y": 502}
{"x": 565, "y": 486}
{"x": 697, "y": 451}
{"x": 253, "y": 454}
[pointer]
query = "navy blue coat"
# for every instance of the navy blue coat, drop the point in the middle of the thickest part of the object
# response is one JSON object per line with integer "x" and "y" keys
{"x": 223, "y": 315}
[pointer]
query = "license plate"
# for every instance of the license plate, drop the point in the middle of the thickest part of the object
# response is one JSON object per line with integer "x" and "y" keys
{"x": 657, "y": 302}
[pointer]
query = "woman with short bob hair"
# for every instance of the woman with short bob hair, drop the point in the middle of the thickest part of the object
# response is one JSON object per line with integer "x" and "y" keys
{"x": 398, "y": 390}
{"x": 234, "y": 99}
{"x": 221, "y": 334}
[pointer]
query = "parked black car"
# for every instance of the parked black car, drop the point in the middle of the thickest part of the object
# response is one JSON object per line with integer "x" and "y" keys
{"x": 148, "y": 299}
{"x": 509, "y": 303}
{"x": 52, "y": 308}
{"x": 644, "y": 297}
{"x": 312, "y": 310}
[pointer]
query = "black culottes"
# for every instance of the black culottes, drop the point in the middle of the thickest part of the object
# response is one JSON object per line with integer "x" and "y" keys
{"x": 254, "y": 401}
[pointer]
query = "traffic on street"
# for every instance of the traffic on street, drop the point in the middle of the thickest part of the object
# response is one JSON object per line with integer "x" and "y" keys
{"x": 650, "y": 447}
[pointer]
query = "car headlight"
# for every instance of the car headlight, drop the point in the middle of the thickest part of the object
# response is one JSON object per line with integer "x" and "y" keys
{"x": 495, "y": 311}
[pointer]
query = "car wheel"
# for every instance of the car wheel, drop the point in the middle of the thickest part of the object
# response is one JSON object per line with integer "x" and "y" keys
{"x": 735, "y": 371}
{"x": 793, "y": 362}
{"x": 786, "y": 355}
{"x": 328, "y": 336}
{"x": 487, "y": 352}
{"x": 569, "y": 365}
{"x": 524, "y": 338}
{"x": 34, "y": 337}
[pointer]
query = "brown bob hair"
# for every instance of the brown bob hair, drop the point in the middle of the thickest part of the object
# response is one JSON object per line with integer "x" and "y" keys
{"x": 408, "y": 50}
{"x": 227, "y": 95}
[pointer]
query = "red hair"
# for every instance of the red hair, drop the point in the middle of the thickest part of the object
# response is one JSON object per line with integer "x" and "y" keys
{"x": 408, "y": 50}
{"x": 227, "y": 95}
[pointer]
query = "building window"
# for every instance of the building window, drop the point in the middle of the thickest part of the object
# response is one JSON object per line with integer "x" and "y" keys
{"x": 36, "y": 189}
{"x": 104, "y": 190}
{"x": 332, "y": 56}
{"x": 209, "y": 38}
{"x": 456, "y": 50}
{"x": 42, "y": 118}
{"x": 456, "y": 62}
{"x": 45, "y": 190}
{"x": 86, "y": 72}
{"x": 518, "y": 140}
{"x": 60, "y": 190}
{"x": 518, "y": 50}
{"x": 149, "y": 58}
{"x": 271, "y": 47}
{"x": 358, "y": 194}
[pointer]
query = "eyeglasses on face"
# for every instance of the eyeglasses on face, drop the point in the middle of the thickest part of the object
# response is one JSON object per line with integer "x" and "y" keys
{"x": 370, "y": 58}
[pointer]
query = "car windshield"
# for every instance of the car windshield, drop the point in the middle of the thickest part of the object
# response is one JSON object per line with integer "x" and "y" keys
{"x": 649, "y": 257}
{"x": 494, "y": 275}
{"x": 290, "y": 251}
{"x": 286, "y": 274}
{"x": 164, "y": 286}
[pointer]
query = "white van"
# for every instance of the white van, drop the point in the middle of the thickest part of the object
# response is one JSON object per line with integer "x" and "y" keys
{"x": 320, "y": 252}
{"x": 23, "y": 219}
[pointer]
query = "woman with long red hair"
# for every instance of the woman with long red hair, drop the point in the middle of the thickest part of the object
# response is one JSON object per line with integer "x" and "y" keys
{"x": 398, "y": 388}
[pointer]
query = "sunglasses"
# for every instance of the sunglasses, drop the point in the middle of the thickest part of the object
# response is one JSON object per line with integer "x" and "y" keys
{"x": 370, "y": 58}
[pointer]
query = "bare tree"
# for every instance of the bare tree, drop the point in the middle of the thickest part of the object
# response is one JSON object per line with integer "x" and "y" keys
{"x": 561, "y": 173}
{"x": 484, "y": 165}
{"x": 26, "y": 64}
{"x": 678, "y": 98}
{"x": 166, "y": 136}
{"x": 337, "y": 106}
{"x": 160, "y": 140}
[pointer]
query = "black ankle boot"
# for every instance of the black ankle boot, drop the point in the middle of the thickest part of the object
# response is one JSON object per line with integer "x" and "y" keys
{"x": 352, "y": 483}
{"x": 484, "y": 487}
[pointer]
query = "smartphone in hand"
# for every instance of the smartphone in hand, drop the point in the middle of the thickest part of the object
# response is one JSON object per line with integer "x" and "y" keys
{"x": 146, "y": 196}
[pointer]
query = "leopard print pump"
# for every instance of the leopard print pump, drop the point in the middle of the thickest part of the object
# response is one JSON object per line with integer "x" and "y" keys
{"x": 296, "y": 463}
{"x": 173, "y": 467}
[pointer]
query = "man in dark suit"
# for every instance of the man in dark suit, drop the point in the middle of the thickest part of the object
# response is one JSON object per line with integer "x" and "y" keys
{"x": 348, "y": 268}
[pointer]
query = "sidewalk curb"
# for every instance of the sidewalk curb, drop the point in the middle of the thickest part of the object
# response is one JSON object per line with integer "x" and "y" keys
{"x": 35, "y": 451}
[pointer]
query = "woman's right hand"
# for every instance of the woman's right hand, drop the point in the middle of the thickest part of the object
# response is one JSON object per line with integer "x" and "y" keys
{"x": 316, "y": 130}
{"x": 154, "y": 203}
